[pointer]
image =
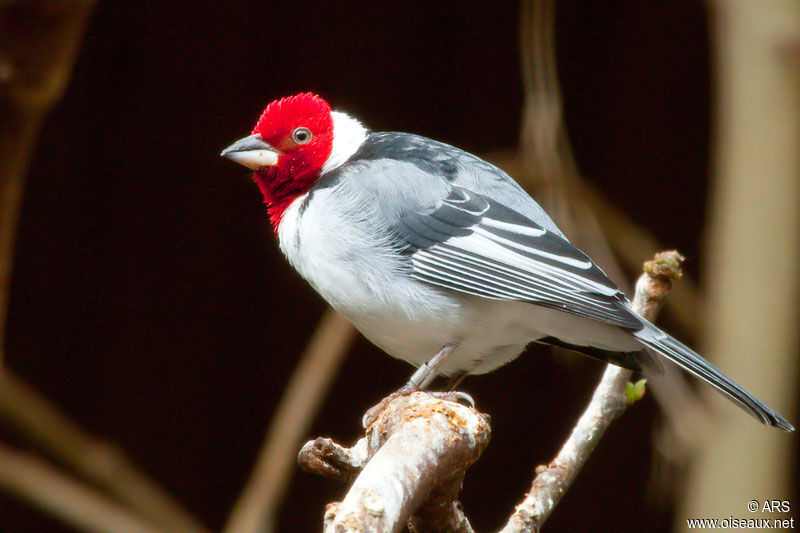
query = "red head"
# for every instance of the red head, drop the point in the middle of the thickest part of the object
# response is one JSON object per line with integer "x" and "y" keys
{"x": 289, "y": 145}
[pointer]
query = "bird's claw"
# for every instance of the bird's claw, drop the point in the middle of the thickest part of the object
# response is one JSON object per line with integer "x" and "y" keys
{"x": 455, "y": 396}
{"x": 374, "y": 412}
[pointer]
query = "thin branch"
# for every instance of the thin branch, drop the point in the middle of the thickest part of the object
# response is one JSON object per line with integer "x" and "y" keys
{"x": 607, "y": 403}
{"x": 420, "y": 446}
{"x": 66, "y": 498}
{"x": 99, "y": 462}
{"x": 256, "y": 509}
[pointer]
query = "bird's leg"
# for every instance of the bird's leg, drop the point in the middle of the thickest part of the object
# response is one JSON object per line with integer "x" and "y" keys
{"x": 456, "y": 380}
{"x": 428, "y": 370}
{"x": 421, "y": 378}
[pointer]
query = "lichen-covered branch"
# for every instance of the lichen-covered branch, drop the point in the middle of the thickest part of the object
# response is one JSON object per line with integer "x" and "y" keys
{"x": 419, "y": 447}
{"x": 607, "y": 403}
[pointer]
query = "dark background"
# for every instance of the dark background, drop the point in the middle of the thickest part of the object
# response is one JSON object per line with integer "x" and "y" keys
{"x": 149, "y": 299}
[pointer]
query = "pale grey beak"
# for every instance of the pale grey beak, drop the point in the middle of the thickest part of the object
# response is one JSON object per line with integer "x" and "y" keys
{"x": 252, "y": 152}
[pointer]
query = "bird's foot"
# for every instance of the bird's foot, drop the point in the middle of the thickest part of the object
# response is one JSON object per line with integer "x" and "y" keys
{"x": 423, "y": 377}
{"x": 374, "y": 412}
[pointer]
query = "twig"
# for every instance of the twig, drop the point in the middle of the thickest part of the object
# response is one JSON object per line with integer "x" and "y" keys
{"x": 256, "y": 509}
{"x": 326, "y": 458}
{"x": 608, "y": 402}
{"x": 97, "y": 461}
{"x": 66, "y": 498}
{"x": 420, "y": 446}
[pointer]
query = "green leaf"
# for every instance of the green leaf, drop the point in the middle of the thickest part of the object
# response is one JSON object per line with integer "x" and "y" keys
{"x": 634, "y": 391}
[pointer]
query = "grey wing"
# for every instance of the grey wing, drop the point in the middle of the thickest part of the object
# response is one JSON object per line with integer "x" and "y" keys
{"x": 455, "y": 167}
{"x": 475, "y": 245}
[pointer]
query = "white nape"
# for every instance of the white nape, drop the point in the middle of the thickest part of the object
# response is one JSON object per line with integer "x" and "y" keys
{"x": 348, "y": 136}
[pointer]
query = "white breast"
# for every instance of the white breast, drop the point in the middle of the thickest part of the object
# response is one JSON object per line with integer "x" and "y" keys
{"x": 362, "y": 277}
{"x": 335, "y": 245}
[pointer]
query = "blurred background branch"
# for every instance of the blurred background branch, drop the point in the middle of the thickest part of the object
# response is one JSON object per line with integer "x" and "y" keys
{"x": 105, "y": 465}
{"x": 256, "y": 510}
{"x": 752, "y": 247}
{"x": 38, "y": 44}
{"x": 39, "y": 40}
{"x": 77, "y": 504}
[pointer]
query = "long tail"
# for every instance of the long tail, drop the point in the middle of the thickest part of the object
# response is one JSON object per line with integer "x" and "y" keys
{"x": 684, "y": 357}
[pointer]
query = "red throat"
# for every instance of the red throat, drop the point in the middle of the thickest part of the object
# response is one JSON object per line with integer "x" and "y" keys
{"x": 299, "y": 165}
{"x": 280, "y": 189}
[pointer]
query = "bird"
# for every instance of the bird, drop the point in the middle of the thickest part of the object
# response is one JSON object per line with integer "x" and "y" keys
{"x": 440, "y": 258}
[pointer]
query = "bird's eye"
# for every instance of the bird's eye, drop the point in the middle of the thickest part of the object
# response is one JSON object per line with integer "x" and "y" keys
{"x": 301, "y": 135}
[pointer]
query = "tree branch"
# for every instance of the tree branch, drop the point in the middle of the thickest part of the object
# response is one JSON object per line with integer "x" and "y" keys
{"x": 607, "y": 403}
{"x": 420, "y": 445}
{"x": 415, "y": 454}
